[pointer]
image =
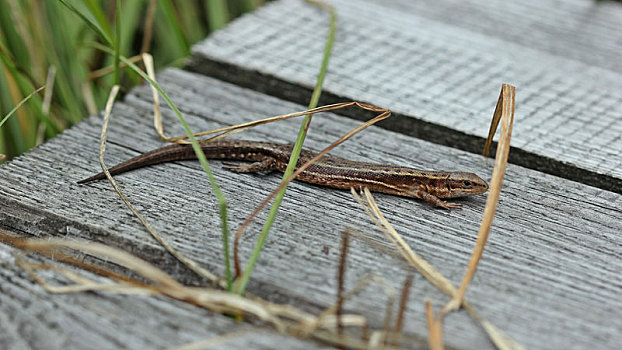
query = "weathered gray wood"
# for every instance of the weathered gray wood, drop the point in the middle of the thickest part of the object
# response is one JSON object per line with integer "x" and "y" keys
{"x": 550, "y": 273}
{"x": 439, "y": 66}
{"x": 582, "y": 30}
{"x": 33, "y": 319}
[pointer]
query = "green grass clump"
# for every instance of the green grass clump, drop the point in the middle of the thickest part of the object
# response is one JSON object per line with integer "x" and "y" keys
{"x": 37, "y": 37}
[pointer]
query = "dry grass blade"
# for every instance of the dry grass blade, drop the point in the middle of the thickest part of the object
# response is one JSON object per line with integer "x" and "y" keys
{"x": 157, "y": 115}
{"x": 107, "y": 70}
{"x": 341, "y": 275}
{"x": 501, "y": 340}
{"x": 81, "y": 284}
{"x": 49, "y": 88}
{"x": 507, "y": 102}
{"x": 47, "y": 102}
{"x": 75, "y": 261}
{"x": 494, "y": 123}
{"x": 162, "y": 283}
{"x": 332, "y": 322}
{"x": 88, "y": 97}
{"x": 234, "y": 129}
{"x": 402, "y": 309}
{"x": 50, "y": 246}
{"x": 427, "y": 270}
{"x": 310, "y": 325}
{"x": 284, "y": 318}
{"x": 148, "y": 27}
{"x": 188, "y": 262}
{"x": 435, "y": 328}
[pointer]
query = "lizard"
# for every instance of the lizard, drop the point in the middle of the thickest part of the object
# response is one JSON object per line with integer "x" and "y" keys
{"x": 430, "y": 186}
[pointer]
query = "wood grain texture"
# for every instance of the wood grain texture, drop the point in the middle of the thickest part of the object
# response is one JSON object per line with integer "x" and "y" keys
{"x": 585, "y": 31}
{"x": 442, "y": 76}
{"x": 550, "y": 273}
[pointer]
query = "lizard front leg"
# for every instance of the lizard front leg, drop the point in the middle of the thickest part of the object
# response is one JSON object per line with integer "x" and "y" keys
{"x": 434, "y": 200}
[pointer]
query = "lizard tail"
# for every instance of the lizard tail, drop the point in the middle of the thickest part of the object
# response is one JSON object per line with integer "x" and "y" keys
{"x": 161, "y": 155}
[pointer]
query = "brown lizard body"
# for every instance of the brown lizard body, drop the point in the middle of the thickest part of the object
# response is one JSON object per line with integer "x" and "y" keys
{"x": 327, "y": 171}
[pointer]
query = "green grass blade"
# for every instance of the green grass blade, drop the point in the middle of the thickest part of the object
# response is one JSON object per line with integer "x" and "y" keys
{"x": 59, "y": 26}
{"x": 217, "y": 14}
{"x": 95, "y": 8}
{"x": 317, "y": 91}
{"x": 117, "y": 42}
{"x": 24, "y": 84}
{"x": 6, "y": 117}
{"x": 192, "y": 20}
{"x": 90, "y": 21}
{"x": 174, "y": 28}
{"x": 222, "y": 202}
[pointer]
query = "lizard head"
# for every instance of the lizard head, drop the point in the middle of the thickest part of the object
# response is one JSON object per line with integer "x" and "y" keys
{"x": 461, "y": 184}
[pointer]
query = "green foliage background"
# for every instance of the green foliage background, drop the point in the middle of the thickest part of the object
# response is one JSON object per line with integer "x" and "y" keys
{"x": 38, "y": 34}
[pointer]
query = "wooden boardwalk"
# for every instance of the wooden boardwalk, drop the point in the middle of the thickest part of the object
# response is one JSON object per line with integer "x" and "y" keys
{"x": 550, "y": 275}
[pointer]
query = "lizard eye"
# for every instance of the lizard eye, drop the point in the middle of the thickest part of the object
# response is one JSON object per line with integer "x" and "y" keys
{"x": 467, "y": 183}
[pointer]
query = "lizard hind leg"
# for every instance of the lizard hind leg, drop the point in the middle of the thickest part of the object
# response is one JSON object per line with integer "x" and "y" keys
{"x": 267, "y": 164}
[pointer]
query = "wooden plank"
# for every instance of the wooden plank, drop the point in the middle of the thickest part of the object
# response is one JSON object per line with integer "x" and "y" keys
{"x": 31, "y": 318}
{"x": 442, "y": 76}
{"x": 585, "y": 31}
{"x": 553, "y": 258}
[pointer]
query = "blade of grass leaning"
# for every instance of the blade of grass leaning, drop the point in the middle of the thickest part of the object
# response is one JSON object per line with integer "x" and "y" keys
{"x": 157, "y": 121}
{"x": 222, "y": 202}
{"x": 47, "y": 102}
{"x": 293, "y": 160}
{"x": 496, "y": 117}
{"x": 234, "y": 129}
{"x": 503, "y": 149}
{"x": 96, "y": 10}
{"x": 102, "y": 149}
{"x": 90, "y": 21}
{"x": 17, "y": 136}
{"x": 21, "y": 85}
{"x": 6, "y": 117}
{"x": 160, "y": 282}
